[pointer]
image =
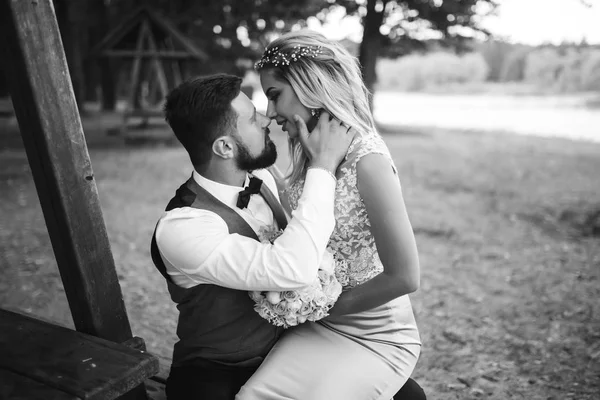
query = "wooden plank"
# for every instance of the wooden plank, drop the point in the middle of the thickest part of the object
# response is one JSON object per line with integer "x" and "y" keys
{"x": 124, "y": 27}
{"x": 164, "y": 367}
{"x": 146, "y": 112}
{"x": 136, "y": 67}
{"x": 156, "y": 385}
{"x": 177, "y": 75}
{"x": 17, "y": 387}
{"x": 82, "y": 365}
{"x": 158, "y": 67}
{"x": 6, "y": 107}
{"x": 156, "y": 390}
{"x": 174, "y": 64}
{"x": 167, "y": 26}
{"x": 38, "y": 80}
{"x": 175, "y": 54}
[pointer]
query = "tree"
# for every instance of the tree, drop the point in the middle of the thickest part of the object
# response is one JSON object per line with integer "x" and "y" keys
{"x": 395, "y": 28}
{"x": 235, "y": 32}
{"x": 495, "y": 53}
{"x": 513, "y": 68}
{"x": 98, "y": 28}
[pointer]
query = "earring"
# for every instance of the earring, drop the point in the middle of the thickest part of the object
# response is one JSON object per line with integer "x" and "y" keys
{"x": 315, "y": 112}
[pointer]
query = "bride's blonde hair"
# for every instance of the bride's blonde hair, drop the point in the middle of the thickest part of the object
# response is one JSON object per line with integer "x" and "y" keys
{"x": 324, "y": 75}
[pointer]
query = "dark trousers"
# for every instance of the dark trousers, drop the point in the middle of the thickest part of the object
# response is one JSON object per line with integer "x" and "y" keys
{"x": 220, "y": 382}
{"x": 410, "y": 391}
{"x": 210, "y": 382}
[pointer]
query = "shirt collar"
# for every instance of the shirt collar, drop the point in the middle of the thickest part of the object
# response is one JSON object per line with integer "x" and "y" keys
{"x": 227, "y": 194}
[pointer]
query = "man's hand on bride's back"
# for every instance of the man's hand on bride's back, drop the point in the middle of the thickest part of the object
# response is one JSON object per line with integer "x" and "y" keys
{"x": 327, "y": 145}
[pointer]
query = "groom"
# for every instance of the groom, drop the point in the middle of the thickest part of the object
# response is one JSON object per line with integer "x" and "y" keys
{"x": 210, "y": 243}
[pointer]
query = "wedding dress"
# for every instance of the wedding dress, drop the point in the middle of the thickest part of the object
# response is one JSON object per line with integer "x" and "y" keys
{"x": 363, "y": 356}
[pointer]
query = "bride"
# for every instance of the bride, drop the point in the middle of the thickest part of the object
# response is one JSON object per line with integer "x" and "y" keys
{"x": 369, "y": 345}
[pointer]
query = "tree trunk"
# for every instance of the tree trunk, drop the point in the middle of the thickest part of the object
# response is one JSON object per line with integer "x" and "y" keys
{"x": 371, "y": 44}
{"x": 3, "y": 83}
{"x": 107, "y": 81}
{"x": 68, "y": 15}
{"x": 99, "y": 29}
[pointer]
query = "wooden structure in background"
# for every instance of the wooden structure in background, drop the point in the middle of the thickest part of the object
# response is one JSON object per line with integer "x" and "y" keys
{"x": 155, "y": 51}
{"x": 39, "y": 360}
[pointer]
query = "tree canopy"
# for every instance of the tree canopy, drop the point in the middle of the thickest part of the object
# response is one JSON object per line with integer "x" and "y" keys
{"x": 235, "y": 32}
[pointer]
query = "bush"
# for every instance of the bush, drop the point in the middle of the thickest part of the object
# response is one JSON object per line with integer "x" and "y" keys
{"x": 513, "y": 69}
{"x": 569, "y": 75}
{"x": 542, "y": 70}
{"x": 418, "y": 72}
{"x": 404, "y": 74}
{"x": 543, "y": 67}
{"x": 590, "y": 71}
{"x": 476, "y": 67}
{"x": 495, "y": 53}
{"x": 566, "y": 71}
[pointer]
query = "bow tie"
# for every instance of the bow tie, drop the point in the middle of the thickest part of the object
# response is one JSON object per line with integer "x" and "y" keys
{"x": 252, "y": 188}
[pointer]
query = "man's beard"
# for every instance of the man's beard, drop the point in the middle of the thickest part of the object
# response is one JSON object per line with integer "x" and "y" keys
{"x": 246, "y": 162}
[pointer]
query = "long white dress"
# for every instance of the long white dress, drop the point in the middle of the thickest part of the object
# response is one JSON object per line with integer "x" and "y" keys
{"x": 363, "y": 356}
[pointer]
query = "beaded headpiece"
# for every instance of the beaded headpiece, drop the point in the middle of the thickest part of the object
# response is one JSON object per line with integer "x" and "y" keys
{"x": 277, "y": 58}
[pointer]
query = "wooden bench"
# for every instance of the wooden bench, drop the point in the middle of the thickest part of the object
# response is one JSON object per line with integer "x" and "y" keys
{"x": 39, "y": 360}
{"x": 155, "y": 386}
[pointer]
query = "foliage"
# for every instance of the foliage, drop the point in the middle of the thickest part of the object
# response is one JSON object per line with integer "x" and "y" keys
{"x": 407, "y": 23}
{"x": 417, "y": 72}
{"x": 246, "y": 26}
{"x": 234, "y": 32}
{"x": 569, "y": 72}
{"x": 513, "y": 69}
{"x": 495, "y": 53}
{"x": 394, "y": 28}
{"x": 590, "y": 71}
{"x": 542, "y": 66}
{"x": 564, "y": 70}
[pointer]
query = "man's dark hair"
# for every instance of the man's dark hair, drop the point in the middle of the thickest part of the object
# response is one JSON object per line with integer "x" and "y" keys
{"x": 199, "y": 111}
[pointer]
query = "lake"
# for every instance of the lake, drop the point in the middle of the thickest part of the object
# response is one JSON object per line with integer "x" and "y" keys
{"x": 561, "y": 116}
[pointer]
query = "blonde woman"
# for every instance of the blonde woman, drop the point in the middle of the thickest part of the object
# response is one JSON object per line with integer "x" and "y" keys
{"x": 369, "y": 345}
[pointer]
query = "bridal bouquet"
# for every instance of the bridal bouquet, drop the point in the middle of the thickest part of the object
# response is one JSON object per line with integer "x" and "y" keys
{"x": 294, "y": 307}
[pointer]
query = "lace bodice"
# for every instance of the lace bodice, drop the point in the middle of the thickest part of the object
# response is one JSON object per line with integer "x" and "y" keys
{"x": 352, "y": 242}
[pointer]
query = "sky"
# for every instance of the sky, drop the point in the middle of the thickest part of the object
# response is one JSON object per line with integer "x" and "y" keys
{"x": 539, "y": 21}
{"x": 525, "y": 21}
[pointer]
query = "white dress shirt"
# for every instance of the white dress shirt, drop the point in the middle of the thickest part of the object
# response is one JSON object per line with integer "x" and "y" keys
{"x": 197, "y": 248}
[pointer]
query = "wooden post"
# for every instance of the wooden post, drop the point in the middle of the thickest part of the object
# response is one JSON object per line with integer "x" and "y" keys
{"x": 44, "y": 102}
{"x": 175, "y": 65}
{"x": 157, "y": 64}
{"x": 50, "y": 125}
{"x": 135, "y": 69}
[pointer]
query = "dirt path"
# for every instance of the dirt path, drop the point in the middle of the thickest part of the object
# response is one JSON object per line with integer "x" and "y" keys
{"x": 507, "y": 307}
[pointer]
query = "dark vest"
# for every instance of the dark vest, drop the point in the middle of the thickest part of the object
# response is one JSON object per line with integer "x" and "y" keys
{"x": 215, "y": 323}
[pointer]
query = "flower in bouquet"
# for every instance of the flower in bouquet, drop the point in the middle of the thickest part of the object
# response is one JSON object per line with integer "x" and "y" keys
{"x": 268, "y": 234}
{"x": 293, "y": 307}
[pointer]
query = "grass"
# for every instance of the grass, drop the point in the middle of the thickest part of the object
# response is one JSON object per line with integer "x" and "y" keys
{"x": 507, "y": 228}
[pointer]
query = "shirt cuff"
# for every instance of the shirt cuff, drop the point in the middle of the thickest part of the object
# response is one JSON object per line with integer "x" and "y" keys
{"x": 318, "y": 182}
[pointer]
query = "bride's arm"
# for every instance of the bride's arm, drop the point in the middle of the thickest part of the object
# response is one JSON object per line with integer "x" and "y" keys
{"x": 381, "y": 192}
{"x": 281, "y": 183}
